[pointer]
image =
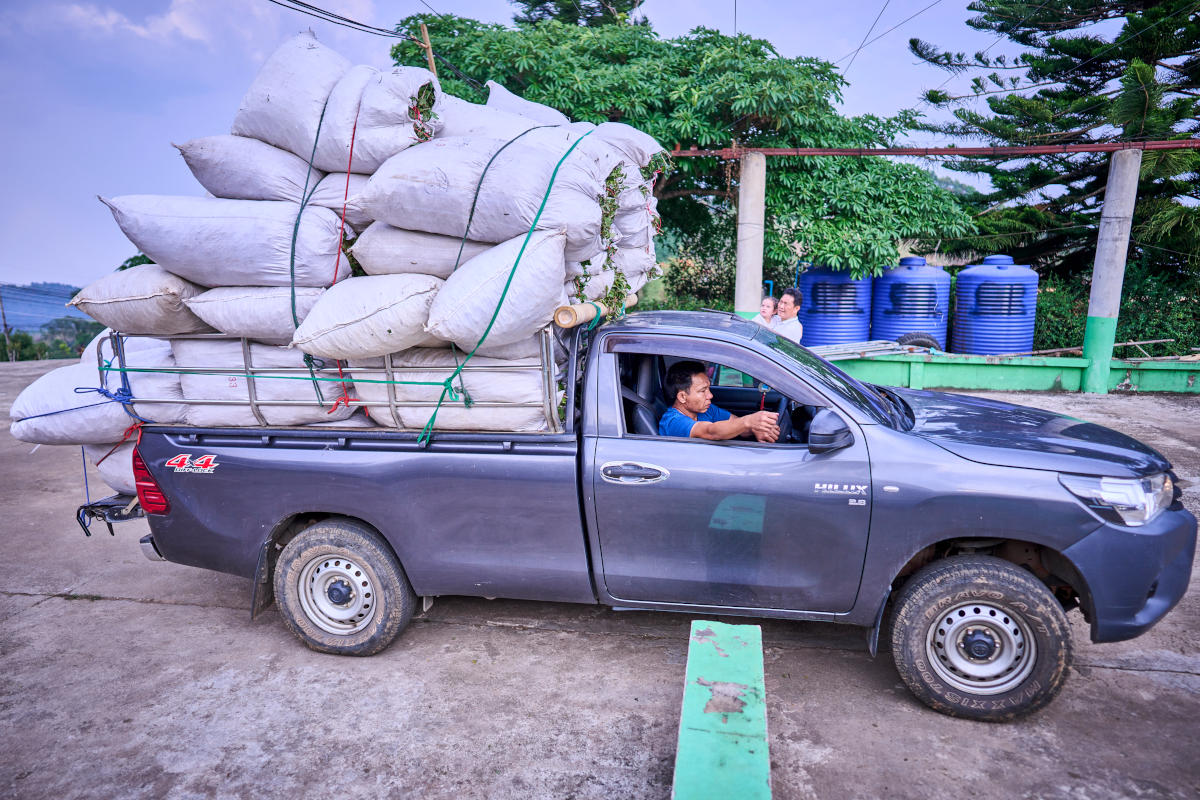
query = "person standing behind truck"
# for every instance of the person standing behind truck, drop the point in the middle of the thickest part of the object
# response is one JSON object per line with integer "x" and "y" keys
{"x": 766, "y": 312}
{"x": 789, "y": 325}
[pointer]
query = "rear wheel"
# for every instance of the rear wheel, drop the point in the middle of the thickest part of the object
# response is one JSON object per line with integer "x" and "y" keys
{"x": 978, "y": 637}
{"x": 341, "y": 589}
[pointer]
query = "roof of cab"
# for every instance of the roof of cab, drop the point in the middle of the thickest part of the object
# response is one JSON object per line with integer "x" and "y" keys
{"x": 726, "y": 324}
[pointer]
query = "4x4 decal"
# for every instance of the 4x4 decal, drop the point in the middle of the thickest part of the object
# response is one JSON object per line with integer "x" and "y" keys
{"x": 184, "y": 463}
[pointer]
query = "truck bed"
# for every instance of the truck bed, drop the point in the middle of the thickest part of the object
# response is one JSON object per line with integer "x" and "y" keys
{"x": 482, "y": 514}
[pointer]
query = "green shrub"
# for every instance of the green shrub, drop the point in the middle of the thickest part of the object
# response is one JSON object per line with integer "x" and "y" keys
{"x": 1152, "y": 307}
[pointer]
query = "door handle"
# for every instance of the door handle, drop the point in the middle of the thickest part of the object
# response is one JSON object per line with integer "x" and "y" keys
{"x": 632, "y": 472}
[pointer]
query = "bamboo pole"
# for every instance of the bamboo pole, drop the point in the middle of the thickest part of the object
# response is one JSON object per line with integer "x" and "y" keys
{"x": 428, "y": 50}
{"x": 575, "y": 315}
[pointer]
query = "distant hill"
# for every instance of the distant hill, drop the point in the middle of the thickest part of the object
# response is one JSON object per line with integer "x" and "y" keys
{"x": 28, "y": 308}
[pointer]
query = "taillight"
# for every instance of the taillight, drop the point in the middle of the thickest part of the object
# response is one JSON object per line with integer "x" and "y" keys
{"x": 149, "y": 494}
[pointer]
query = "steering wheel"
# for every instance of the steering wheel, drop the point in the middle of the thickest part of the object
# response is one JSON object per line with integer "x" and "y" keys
{"x": 785, "y": 420}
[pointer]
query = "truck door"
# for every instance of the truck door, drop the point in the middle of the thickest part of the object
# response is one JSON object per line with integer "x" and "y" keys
{"x": 736, "y": 523}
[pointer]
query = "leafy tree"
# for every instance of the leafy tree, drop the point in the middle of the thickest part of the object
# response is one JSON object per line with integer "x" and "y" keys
{"x": 133, "y": 261}
{"x": 1079, "y": 82}
{"x": 577, "y": 12}
{"x": 707, "y": 90}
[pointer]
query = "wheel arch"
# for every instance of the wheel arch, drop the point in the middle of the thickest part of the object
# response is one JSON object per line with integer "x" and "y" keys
{"x": 263, "y": 594}
{"x": 1046, "y": 563}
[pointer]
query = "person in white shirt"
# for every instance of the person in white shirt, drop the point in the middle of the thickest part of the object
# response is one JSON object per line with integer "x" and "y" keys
{"x": 766, "y": 312}
{"x": 789, "y": 325}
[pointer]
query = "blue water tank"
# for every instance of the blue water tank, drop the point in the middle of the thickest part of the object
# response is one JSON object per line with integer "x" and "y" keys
{"x": 911, "y": 298}
{"x": 837, "y": 308}
{"x": 994, "y": 306}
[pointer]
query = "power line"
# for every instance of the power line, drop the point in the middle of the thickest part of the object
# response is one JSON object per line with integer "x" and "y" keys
{"x": 865, "y": 35}
{"x": 889, "y": 30}
{"x": 362, "y": 27}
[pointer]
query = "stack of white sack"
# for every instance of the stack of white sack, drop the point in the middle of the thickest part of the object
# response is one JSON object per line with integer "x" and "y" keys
{"x": 322, "y": 152}
{"x": 93, "y": 401}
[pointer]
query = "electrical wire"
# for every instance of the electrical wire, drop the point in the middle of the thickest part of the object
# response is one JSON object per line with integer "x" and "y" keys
{"x": 889, "y": 30}
{"x": 362, "y": 27}
{"x": 865, "y": 35}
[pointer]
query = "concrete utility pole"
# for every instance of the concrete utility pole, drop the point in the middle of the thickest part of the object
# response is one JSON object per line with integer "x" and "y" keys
{"x": 1108, "y": 273}
{"x": 8, "y": 350}
{"x": 752, "y": 205}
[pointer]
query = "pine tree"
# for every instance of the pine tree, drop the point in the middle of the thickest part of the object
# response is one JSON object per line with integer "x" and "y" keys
{"x": 589, "y": 13}
{"x": 1080, "y": 81}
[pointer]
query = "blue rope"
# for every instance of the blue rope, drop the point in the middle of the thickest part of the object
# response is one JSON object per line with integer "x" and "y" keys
{"x": 87, "y": 494}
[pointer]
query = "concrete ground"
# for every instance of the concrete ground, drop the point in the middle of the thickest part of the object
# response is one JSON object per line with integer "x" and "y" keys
{"x": 125, "y": 678}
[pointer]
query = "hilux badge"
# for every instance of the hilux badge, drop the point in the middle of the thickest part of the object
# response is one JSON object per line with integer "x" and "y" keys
{"x": 851, "y": 489}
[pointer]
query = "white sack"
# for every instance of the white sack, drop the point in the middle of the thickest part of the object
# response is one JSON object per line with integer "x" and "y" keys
{"x": 430, "y": 188}
{"x": 332, "y": 193}
{"x": 385, "y": 250}
{"x": 283, "y": 106}
{"x": 526, "y": 348}
{"x": 635, "y": 263}
{"x": 233, "y": 385}
{"x": 462, "y": 309}
{"x": 89, "y": 417}
{"x": 371, "y": 316}
{"x": 116, "y": 465}
{"x": 214, "y": 242}
{"x": 372, "y": 109}
{"x": 508, "y": 386}
{"x": 460, "y": 118}
{"x": 145, "y": 299}
{"x": 262, "y": 313}
{"x": 634, "y": 145}
{"x": 239, "y": 168}
{"x": 504, "y": 100}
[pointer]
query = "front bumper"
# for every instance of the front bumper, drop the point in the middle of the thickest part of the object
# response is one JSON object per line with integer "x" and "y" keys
{"x": 1134, "y": 576}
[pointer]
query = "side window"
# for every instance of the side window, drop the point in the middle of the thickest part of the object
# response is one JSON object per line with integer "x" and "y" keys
{"x": 734, "y": 389}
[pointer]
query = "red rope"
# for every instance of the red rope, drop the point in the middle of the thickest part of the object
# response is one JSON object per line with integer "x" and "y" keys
{"x": 137, "y": 426}
{"x": 345, "y": 398}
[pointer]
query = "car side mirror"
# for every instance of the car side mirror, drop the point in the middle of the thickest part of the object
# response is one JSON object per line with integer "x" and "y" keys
{"x": 828, "y": 432}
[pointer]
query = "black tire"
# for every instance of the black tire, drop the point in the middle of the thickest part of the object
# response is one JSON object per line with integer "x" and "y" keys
{"x": 981, "y": 638}
{"x": 918, "y": 339}
{"x": 341, "y": 589}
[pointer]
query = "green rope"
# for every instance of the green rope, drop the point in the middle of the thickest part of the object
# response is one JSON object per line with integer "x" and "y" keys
{"x": 598, "y": 317}
{"x": 304, "y": 198}
{"x": 427, "y": 432}
{"x": 479, "y": 185}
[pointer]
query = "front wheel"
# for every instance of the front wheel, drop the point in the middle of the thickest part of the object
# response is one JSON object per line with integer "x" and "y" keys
{"x": 978, "y": 637}
{"x": 342, "y": 590}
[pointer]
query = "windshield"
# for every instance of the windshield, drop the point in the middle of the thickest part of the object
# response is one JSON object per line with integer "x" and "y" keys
{"x": 862, "y": 395}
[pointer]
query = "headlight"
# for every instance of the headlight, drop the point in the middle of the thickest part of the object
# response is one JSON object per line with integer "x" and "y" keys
{"x": 1126, "y": 501}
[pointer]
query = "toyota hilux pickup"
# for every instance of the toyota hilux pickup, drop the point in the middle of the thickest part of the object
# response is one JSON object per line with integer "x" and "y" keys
{"x": 965, "y": 529}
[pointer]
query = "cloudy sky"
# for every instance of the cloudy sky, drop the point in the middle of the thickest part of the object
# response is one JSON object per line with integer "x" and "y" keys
{"x": 94, "y": 93}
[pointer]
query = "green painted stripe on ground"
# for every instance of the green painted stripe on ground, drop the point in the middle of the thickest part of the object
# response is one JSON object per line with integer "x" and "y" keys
{"x": 722, "y": 750}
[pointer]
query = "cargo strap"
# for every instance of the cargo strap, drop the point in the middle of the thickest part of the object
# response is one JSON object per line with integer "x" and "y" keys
{"x": 305, "y": 194}
{"x": 428, "y": 431}
{"x": 479, "y": 186}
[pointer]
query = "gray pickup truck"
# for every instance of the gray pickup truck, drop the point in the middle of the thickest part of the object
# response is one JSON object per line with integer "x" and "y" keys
{"x": 964, "y": 528}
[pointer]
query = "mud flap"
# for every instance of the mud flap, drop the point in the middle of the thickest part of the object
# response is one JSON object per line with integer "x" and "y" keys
{"x": 873, "y": 633}
{"x": 264, "y": 588}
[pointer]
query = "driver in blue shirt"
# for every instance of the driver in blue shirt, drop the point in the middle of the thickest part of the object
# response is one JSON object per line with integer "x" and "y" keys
{"x": 694, "y": 415}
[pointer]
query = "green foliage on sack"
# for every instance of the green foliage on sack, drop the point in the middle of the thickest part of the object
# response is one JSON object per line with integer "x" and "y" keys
{"x": 708, "y": 90}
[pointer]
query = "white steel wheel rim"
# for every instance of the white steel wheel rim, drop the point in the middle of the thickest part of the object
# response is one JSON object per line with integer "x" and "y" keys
{"x": 980, "y": 648}
{"x": 337, "y": 594}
